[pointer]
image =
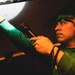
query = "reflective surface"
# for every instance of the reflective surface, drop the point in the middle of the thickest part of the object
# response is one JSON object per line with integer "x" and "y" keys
{"x": 10, "y": 1}
{"x": 10, "y": 11}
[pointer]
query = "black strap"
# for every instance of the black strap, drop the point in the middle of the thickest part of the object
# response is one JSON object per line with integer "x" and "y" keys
{"x": 52, "y": 53}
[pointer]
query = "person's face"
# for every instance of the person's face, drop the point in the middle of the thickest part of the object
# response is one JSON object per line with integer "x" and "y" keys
{"x": 65, "y": 30}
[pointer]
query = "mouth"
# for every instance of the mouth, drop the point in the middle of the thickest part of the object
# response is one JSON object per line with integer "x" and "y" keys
{"x": 59, "y": 35}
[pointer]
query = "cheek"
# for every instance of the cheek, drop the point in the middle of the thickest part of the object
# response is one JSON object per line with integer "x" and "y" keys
{"x": 66, "y": 36}
{"x": 69, "y": 32}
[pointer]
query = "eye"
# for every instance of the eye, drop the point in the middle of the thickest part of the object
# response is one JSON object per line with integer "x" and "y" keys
{"x": 63, "y": 22}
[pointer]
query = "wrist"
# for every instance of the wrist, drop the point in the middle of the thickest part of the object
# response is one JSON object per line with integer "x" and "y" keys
{"x": 49, "y": 51}
{"x": 56, "y": 54}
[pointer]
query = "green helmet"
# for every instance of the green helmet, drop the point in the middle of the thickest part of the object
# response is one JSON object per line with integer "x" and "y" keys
{"x": 67, "y": 14}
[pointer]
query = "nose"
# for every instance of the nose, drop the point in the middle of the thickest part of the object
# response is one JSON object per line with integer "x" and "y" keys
{"x": 58, "y": 27}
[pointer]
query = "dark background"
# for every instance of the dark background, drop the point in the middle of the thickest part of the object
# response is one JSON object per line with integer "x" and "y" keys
{"x": 40, "y": 16}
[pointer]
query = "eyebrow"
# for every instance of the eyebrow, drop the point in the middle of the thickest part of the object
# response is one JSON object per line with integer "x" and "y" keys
{"x": 68, "y": 20}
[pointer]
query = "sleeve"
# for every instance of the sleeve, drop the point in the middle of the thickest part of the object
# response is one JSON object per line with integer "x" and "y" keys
{"x": 16, "y": 36}
{"x": 67, "y": 65}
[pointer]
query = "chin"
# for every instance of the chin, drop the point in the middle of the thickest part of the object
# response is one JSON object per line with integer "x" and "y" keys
{"x": 61, "y": 40}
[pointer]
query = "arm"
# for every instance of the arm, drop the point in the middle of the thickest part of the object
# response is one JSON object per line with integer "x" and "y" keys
{"x": 67, "y": 64}
{"x": 64, "y": 61}
{"x": 14, "y": 34}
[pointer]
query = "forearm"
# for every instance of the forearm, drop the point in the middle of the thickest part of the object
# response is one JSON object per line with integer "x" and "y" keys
{"x": 65, "y": 62}
{"x": 53, "y": 53}
{"x": 19, "y": 40}
{"x": 13, "y": 33}
{"x": 59, "y": 56}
